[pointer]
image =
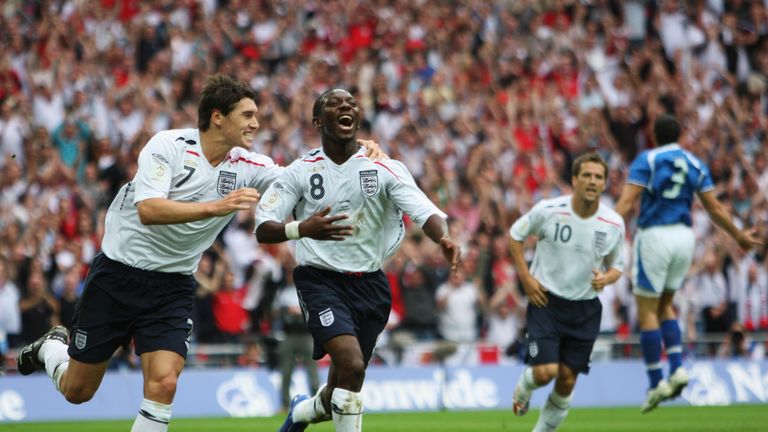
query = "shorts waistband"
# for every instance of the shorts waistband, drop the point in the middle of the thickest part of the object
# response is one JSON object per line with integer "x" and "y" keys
{"x": 149, "y": 273}
{"x": 332, "y": 273}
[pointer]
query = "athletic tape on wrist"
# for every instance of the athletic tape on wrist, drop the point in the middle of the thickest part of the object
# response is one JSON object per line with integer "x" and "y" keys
{"x": 292, "y": 230}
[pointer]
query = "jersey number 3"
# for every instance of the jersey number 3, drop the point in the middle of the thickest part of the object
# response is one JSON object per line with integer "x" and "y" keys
{"x": 677, "y": 179}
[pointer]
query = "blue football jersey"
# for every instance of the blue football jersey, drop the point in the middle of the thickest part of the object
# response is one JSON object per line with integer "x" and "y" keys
{"x": 671, "y": 177}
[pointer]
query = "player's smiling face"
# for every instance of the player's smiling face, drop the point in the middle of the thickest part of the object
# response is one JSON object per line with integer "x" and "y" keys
{"x": 590, "y": 182}
{"x": 241, "y": 124}
{"x": 340, "y": 117}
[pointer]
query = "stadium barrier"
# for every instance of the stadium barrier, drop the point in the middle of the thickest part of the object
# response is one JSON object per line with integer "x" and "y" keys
{"x": 255, "y": 392}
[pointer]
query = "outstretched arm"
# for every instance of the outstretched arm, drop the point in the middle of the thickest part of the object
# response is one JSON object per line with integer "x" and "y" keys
{"x": 626, "y": 205}
{"x": 162, "y": 211}
{"x": 437, "y": 229}
{"x": 747, "y": 239}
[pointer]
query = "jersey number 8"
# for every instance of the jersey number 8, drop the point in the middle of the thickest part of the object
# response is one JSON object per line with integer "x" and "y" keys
{"x": 316, "y": 189}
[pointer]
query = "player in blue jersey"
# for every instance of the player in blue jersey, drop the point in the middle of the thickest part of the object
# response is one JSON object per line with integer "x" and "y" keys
{"x": 667, "y": 178}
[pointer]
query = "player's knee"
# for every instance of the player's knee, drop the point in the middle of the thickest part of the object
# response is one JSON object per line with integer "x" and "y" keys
{"x": 544, "y": 374}
{"x": 163, "y": 388}
{"x": 75, "y": 394}
{"x": 351, "y": 372}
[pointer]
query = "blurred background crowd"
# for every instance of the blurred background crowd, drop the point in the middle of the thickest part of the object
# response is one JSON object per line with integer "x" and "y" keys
{"x": 486, "y": 102}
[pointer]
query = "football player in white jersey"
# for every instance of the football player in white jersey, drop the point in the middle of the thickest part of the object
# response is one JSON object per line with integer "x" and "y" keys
{"x": 348, "y": 219}
{"x": 578, "y": 253}
{"x": 188, "y": 185}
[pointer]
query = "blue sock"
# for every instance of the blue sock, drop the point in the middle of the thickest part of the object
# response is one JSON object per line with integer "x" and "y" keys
{"x": 670, "y": 331}
{"x": 650, "y": 341}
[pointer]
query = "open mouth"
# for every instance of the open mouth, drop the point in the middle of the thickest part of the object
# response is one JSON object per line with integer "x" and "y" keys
{"x": 346, "y": 122}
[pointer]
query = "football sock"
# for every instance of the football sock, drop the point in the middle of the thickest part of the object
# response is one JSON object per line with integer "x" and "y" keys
{"x": 347, "y": 410}
{"x": 54, "y": 355}
{"x": 670, "y": 331}
{"x": 311, "y": 410}
{"x": 650, "y": 341}
{"x": 553, "y": 412}
{"x": 152, "y": 417}
{"x": 526, "y": 383}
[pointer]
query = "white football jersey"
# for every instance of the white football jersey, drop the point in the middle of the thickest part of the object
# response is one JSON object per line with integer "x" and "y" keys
{"x": 172, "y": 166}
{"x": 372, "y": 194}
{"x": 569, "y": 247}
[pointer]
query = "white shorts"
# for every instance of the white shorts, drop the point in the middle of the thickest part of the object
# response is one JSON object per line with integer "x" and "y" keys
{"x": 661, "y": 259}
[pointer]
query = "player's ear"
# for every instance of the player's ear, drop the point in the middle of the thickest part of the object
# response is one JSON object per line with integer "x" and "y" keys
{"x": 316, "y": 122}
{"x": 216, "y": 118}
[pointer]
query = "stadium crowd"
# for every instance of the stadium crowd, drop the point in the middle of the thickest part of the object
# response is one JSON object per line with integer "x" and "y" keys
{"x": 486, "y": 102}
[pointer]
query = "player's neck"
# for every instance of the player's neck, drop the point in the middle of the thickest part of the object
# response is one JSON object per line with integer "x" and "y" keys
{"x": 339, "y": 151}
{"x": 214, "y": 147}
{"x": 583, "y": 208}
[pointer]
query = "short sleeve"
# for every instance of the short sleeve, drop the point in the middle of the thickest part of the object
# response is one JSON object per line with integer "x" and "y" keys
{"x": 640, "y": 171}
{"x": 528, "y": 224}
{"x": 155, "y": 170}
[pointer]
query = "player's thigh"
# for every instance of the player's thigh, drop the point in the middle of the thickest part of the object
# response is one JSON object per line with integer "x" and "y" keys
{"x": 542, "y": 336}
{"x": 651, "y": 260}
{"x": 166, "y": 323}
{"x": 83, "y": 378}
{"x": 104, "y": 313}
{"x": 682, "y": 242}
{"x": 579, "y": 333}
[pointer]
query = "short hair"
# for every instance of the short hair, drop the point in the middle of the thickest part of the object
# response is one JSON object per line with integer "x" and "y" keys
{"x": 589, "y": 156}
{"x": 320, "y": 101}
{"x": 221, "y": 93}
{"x": 666, "y": 129}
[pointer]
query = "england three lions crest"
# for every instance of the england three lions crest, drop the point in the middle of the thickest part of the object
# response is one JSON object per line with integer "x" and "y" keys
{"x": 369, "y": 182}
{"x": 600, "y": 239}
{"x": 227, "y": 182}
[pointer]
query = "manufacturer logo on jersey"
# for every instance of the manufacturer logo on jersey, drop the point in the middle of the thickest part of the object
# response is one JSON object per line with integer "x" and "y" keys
{"x": 533, "y": 349}
{"x": 326, "y": 317}
{"x": 600, "y": 238}
{"x": 160, "y": 158}
{"x": 81, "y": 338}
{"x": 226, "y": 184}
{"x": 369, "y": 182}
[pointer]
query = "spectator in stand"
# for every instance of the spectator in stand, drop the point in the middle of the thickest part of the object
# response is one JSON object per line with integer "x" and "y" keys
{"x": 39, "y": 308}
{"x": 228, "y": 313}
{"x": 10, "y": 314}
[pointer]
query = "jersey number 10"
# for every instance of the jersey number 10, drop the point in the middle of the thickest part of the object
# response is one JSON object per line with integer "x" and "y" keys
{"x": 563, "y": 234}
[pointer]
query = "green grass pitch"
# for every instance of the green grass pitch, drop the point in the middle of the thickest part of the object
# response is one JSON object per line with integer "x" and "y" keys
{"x": 738, "y": 418}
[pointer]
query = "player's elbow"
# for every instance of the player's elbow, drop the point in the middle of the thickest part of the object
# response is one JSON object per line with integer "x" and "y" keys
{"x": 147, "y": 214}
{"x": 263, "y": 234}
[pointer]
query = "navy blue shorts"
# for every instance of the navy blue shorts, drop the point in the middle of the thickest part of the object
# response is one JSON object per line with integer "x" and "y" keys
{"x": 121, "y": 302}
{"x": 563, "y": 332}
{"x": 335, "y": 304}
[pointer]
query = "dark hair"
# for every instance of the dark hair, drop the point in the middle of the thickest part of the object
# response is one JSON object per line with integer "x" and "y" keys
{"x": 221, "y": 93}
{"x": 666, "y": 129}
{"x": 319, "y": 102}
{"x": 590, "y": 156}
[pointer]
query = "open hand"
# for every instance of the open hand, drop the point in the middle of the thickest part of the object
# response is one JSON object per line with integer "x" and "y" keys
{"x": 320, "y": 226}
{"x": 535, "y": 291}
{"x": 373, "y": 150}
